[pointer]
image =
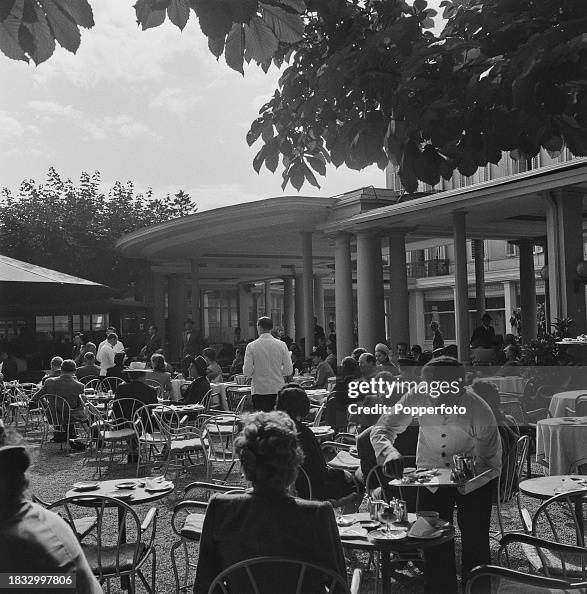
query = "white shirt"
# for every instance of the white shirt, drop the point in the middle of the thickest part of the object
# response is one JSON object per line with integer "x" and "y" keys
{"x": 441, "y": 436}
{"x": 267, "y": 362}
{"x": 118, "y": 348}
{"x": 107, "y": 358}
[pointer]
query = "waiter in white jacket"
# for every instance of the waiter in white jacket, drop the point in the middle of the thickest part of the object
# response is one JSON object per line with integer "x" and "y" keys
{"x": 268, "y": 363}
{"x": 469, "y": 428}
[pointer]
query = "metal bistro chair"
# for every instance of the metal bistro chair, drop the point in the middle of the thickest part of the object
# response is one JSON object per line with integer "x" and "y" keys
{"x": 150, "y": 439}
{"x": 91, "y": 381}
{"x": 219, "y": 433}
{"x": 187, "y": 521}
{"x": 580, "y": 409}
{"x": 57, "y": 414}
{"x": 116, "y": 428}
{"x": 122, "y": 548}
{"x": 81, "y": 526}
{"x": 296, "y": 577}
{"x": 508, "y": 488}
{"x": 110, "y": 383}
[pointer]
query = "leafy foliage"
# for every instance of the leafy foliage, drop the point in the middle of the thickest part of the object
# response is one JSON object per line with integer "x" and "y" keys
{"x": 368, "y": 82}
{"x": 74, "y": 228}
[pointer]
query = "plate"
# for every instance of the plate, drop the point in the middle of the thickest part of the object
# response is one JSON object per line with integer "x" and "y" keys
{"x": 384, "y": 536}
{"x": 126, "y": 485}
{"x": 321, "y": 429}
{"x": 352, "y": 532}
{"x": 369, "y": 524}
{"x": 123, "y": 495}
{"x": 162, "y": 486}
{"x": 429, "y": 536}
{"x": 85, "y": 486}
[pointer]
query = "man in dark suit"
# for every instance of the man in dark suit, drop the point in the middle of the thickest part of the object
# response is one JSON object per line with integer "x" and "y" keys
{"x": 154, "y": 343}
{"x": 484, "y": 335}
{"x": 89, "y": 368}
{"x": 190, "y": 341}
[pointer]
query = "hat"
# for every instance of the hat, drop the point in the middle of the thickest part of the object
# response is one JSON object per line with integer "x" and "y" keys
{"x": 382, "y": 347}
{"x": 486, "y": 316}
{"x": 201, "y": 364}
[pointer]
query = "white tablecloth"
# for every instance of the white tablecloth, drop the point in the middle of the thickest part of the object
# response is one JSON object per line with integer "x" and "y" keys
{"x": 219, "y": 388}
{"x": 561, "y": 444}
{"x": 562, "y": 400}
{"x": 317, "y": 396}
{"x": 513, "y": 384}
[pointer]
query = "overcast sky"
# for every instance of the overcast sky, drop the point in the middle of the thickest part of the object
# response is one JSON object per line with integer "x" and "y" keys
{"x": 150, "y": 106}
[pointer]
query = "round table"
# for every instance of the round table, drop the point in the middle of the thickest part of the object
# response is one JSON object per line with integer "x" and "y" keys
{"x": 139, "y": 497}
{"x": 545, "y": 487}
{"x": 563, "y": 400}
{"x": 561, "y": 444}
{"x": 406, "y": 545}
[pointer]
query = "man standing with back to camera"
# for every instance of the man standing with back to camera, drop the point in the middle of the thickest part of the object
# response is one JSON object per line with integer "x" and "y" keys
{"x": 268, "y": 363}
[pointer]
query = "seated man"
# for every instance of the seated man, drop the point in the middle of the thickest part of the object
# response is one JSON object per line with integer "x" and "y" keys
{"x": 368, "y": 366}
{"x": 32, "y": 539}
{"x": 89, "y": 368}
{"x": 323, "y": 370}
{"x": 55, "y": 370}
{"x": 471, "y": 429}
{"x": 326, "y": 483}
{"x": 267, "y": 521}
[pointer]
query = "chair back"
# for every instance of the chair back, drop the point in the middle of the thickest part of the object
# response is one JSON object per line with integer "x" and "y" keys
{"x": 218, "y": 436}
{"x": 120, "y": 545}
{"x": 57, "y": 411}
{"x": 91, "y": 381}
{"x": 303, "y": 486}
{"x": 260, "y": 575}
{"x": 554, "y": 517}
{"x": 28, "y": 389}
{"x": 510, "y": 475}
{"x": 147, "y": 425}
{"x": 581, "y": 405}
{"x": 241, "y": 404}
{"x": 121, "y": 411}
{"x": 206, "y": 401}
{"x": 319, "y": 414}
{"x": 512, "y": 407}
{"x": 110, "y": 383}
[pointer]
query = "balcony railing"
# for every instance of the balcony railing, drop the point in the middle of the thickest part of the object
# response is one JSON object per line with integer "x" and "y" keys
{"x": 426, "y": 268}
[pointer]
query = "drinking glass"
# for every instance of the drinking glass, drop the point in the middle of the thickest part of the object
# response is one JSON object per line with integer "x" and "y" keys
{"x": 387, "y": 515}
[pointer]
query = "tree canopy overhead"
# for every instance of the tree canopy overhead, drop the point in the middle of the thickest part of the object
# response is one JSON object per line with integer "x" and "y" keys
{"x": 74, "y": 228}
{"x": 369, "y": 82}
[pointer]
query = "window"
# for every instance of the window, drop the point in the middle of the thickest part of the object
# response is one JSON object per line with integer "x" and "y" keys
{"x": 512, "y": 250}
{"x": 538, "y": 249}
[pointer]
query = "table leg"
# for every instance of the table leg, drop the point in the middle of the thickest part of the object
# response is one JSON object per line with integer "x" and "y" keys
{"x": 579, "y": 515}
{"x": 124, "y": 580}
{"x": 385, "y": 572}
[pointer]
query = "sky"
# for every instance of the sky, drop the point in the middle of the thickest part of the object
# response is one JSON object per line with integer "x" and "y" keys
{"x": 153, "y": 107}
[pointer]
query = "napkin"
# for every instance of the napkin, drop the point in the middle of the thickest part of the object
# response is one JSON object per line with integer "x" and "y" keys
{"x": 421, "y": 527}
{"x": 156, "y": 484}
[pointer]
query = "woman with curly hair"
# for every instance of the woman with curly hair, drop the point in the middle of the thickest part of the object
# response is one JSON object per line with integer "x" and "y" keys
{"x": 266, "y": 520}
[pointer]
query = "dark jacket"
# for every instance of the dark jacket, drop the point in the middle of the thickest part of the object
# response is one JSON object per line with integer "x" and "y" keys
{"x": 153, "y": 344}
{"x": 65, "y": 386}
{"x": 196, "y": 391}
{"x": 483, "y": 337}
{"x": 255, "y": 524}
{"x": 137, "y": 390}
{"x": 87, "y": 371}
{"x": 10, "y": 369}
{"x": 437, "y": 341}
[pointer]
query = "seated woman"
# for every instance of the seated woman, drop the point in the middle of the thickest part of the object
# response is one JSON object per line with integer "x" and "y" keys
{"x": 214, "y": 371}
{"x": 200, "y": 385}
{"x": 33, "y": 539}
{"x": 327, "y": 483}
{"x": 239, "y": 359}
{"x": 116, "y": 371}
{"x": 267, "y": 521}
{"x": 336, "y": 412}
{"x": 297, "y": 359}
{"x": 160, "y": 373}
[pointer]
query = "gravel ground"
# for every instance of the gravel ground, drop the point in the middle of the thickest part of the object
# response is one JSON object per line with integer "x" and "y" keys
{"x": 53, "y": 472}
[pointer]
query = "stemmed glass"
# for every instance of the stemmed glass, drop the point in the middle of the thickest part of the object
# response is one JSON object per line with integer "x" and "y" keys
{"x": 387, "y": 515}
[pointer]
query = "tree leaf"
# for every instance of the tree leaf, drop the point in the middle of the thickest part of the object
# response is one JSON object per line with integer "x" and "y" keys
{"x": 310, "y": 176}
{"x": 214, "y": 17}
{"x": 62, "y": 26}
{"x": 297, "y": 5}
{"x": 216, "y": 46}
{"x": 259, "y": 159}
{"x": 297, "y": 174}
{"x": 9, "y": 29}
{"x": 43, "y": 39}
{"x": 235, "y": 48}
{"x": 6, "y": 8}
{"x": 272, "y": 158}
{"x": 78, "y": 10}
{"x": 317, "y": 165}
{"x": 260, "y": 41}
{"x": 243, "y": 10}
{"x": 178, "y": 12}
{"x": 288, "y": 27}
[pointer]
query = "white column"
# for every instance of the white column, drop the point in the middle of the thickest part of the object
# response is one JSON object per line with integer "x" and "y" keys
{"x": 478, "y": 249}
{"x": 159, "y": 289}
{"x": 399, "y": 308}
{"x": 417, "y": 322}
{"x": 343, "y": 295}
{"x": 370, "y": 311}
{"x": 299, "y": 308}
{"x": 319, "y": 300}
{"x": 564, "y": 228}
{"x": 267, "y": 291}
{"x": 288, "y": 307}
{"x": 244, "y": 306}
{"x": 195, "y": 283}
{"x": 461, "y": 286}
{"x": 308, "y": 273}
{"x": 177, "y": 314}
{"x": 527, "y": 290}
{"x": 510, "y": 303}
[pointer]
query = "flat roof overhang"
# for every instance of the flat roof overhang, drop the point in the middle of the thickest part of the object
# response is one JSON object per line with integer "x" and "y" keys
{"x": 505, "y": 208}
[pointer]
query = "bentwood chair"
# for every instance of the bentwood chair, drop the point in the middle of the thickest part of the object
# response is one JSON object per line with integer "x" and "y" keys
{"x": 295, "y": 577}
{"x": 219, "y": 433}
{"x": 187, "y": 521}
{"x": 123, "y": 544}
{"x": 110, "y": 383}
{"x": 57, "y": 413}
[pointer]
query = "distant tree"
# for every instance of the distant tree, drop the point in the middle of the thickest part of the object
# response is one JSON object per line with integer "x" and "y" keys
{"x": 368, "y": 81}
{"x": 74, "y": 228}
